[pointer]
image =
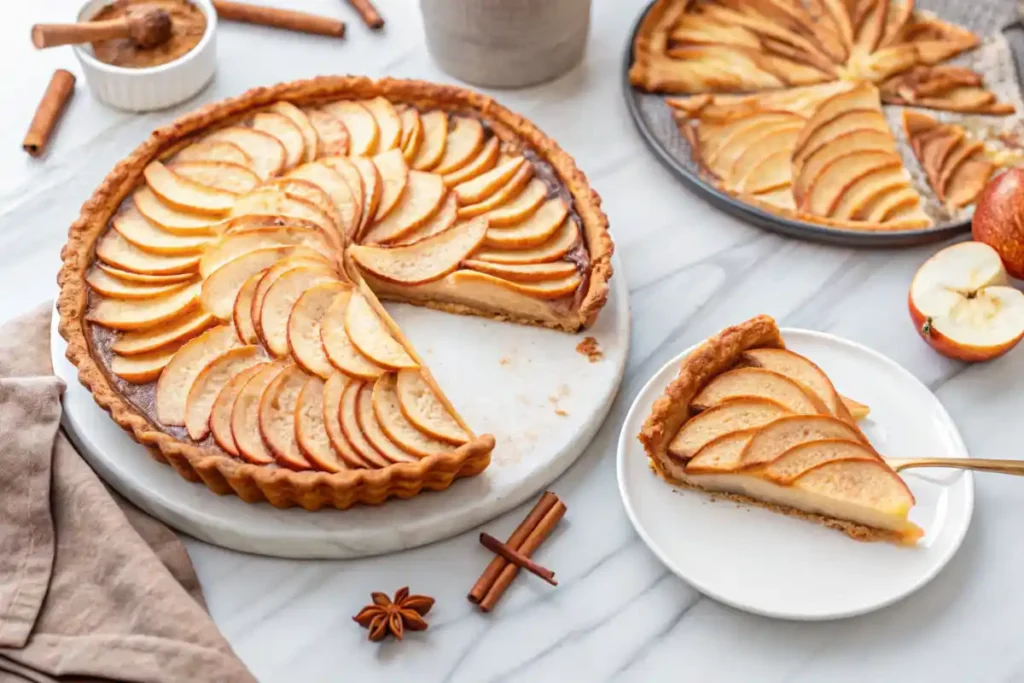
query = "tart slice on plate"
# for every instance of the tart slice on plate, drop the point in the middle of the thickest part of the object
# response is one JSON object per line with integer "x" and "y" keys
{"x": 747, "y": 418}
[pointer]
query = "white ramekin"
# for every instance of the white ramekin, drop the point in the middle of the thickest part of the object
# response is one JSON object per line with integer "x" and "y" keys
{"x": 154, "y": 87}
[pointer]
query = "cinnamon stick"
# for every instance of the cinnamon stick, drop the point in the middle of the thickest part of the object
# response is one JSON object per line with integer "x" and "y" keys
{"x": 517, "y": 558}
{"x": 532, "y": 542}
{"x": 486, "y": 580}
{"x": 368, "y": 13}
{"x": 49, "y": 111}
{"x": 273, "y": 17}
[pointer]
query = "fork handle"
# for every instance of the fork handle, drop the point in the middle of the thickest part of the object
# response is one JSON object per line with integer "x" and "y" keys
{"x": 978, "y": 464}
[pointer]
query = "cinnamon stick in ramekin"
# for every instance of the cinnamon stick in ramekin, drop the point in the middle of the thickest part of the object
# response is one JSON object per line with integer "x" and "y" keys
{"x": 279, "y": 18}
{"x": 49, "y": 111}
{"x": 368, "y": 13}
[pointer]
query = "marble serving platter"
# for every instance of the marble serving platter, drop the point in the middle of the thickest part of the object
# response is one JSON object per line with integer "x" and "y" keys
{"x": 541, "y": 398}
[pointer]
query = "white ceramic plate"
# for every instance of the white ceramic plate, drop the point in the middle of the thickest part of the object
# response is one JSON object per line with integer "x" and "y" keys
{"x": 542, "y": 400}
{"x": 779, "y": 566}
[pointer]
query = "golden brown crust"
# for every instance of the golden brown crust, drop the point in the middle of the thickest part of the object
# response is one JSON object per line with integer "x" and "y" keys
{"x": 651, "y": 41}
{"x": 857, "y": 532}
{"x": 714, "y": 356}
{"x": 282, "y": 487}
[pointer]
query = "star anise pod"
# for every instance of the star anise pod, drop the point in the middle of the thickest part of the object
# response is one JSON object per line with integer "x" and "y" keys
{"x": 386, "y": 616}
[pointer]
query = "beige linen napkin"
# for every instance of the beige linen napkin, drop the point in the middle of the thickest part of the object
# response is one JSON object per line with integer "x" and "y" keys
{"x": 90, "y": 587}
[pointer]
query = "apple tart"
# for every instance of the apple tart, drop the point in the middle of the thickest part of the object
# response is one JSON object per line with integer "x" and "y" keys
{"x": 781, "y": 101}
{"x": 747, "y": 418}
{"x": 221, "y": 290}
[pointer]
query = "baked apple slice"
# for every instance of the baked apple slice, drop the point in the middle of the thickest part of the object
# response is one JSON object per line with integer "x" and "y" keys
{"x": 346, "y": 208}
{"x": 758, "y": 382}
{"x": 143, "y": 278}
{"x": 114, "y": 288}
{"x": 219, "y": 289}
{"x": 214, "y": 151}
{"x": 179, "y": 329}
{"x": 412, "y": 133}
{"x": 209, "y": 382}
{"x": 313, "y": 194}
{"x": 134, "y": 227}
{"x": 483, "y": 186}
{"x": 346, "y": 455}
{"x": 311, "y": 431}
{"x": 279, "y": 302}
{"x": 554, "y": 249}
{"x": 134, "y": 314}
{"x": 349, "y": 414}
{"x": 338, "y": 345}
{"x": 535, "y": 230}
{"x": 176, "y": 380}
{"x": 426, "y": 410}
{"x": 445, "y": 218}
{"x": 277, "y": 417}
{"x": 526, "y": 272}
{"x": 542, "y": 289}
{"x": 362, "y": 128}
{"x": 424, "y": 261}
{"x": 220, "y": 413}
{"x": 332, "y": 135}
{"x": 233, "y": 245}
{"x": 241, "y": 311}
{"x": 501, "y": 196}
{"x": 520, "y": 207}
{"x": 270, "y": 201}
{"x": 276, "y": 272}
{"x": 420, "y": 200}
{"x": 372, "y": 190}
{"x": 774, "y": 440}
{"x": 220, "y": 175}
{"x": 389, "y": 125}
{"x": 304, "y": 324}
{"x": 484, "y": 161}
{"x": 738, "y": 414}
{"x": 371, "y": 336}
{"x": 394, "y": 175}
{"x": 835, "y": 180}
{"x": 857, "y": 142}
{"x": 143, "y": 368}
{"x": 245, "y": 414}
{"x": 435, "y": 138}
{"x": 779, "y": 139}
{"x": 465, "y": 138}
{"x": 867, "y": 189}
{"x": 371, "y": 429}
{"x": 286, "y": 132}
{"x": 266, "y": 151}
{"x": 310, "y": 139}
{"x": 185, "y": 195}
{"x": 170, "y": 219}
{"x": 396, "y": 426}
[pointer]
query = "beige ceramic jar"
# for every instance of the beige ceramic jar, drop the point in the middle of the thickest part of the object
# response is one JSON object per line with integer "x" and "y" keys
{"x": 506, "y": 43}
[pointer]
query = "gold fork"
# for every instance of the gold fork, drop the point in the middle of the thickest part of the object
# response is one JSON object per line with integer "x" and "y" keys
{"x": 979, "y": 464}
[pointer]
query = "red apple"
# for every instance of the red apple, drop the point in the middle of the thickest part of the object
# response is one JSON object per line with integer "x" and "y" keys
{"x": 962, "y": 304}
{"x": 999, "y": 219}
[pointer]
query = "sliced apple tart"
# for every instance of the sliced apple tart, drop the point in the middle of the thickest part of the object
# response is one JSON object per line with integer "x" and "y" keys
{"x": 747, "y": 418}
{"x": 220, "y": 290}
{"x": 783, "y": 106}
{"x": 956, "y": 164}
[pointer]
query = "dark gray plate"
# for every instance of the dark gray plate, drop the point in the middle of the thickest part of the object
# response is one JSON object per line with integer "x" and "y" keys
{"x": 654, "y": 122}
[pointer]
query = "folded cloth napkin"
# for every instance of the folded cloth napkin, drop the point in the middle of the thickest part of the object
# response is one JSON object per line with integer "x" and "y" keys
{"x": 90, "y": 587}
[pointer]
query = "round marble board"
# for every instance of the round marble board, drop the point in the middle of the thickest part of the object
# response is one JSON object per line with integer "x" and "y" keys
{"x": 541, "y": 398}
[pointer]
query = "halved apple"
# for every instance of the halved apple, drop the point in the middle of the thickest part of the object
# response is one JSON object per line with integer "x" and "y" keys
{"x": 143, "y": 278}
{"x": 748, "y": 412}
{"x": 179, "y": 329}
{"x": 121, "y": 314}
{"x": 209, "y": 382}
{"x": 389, "y": 125}
{"x": 420, "y": 200}
{"x": 557, "y": 246}
{"x": 214, "y": 151}
{"x": 235, "y": 244}
{"x": 396, "y": 426}
{"x": 963, "y": 305}
{"x": 372, "y": 430}
{"x": 435, "y": 138}
{"x": 346, "y": 207}
{"x": 277, "y": 417}
{"x": 170, "y": 219}
{"x": 484, "y": 161}
{"x": 424, "y": 261}
{"x": 220, "y": 175}
{"x": 304, "y": 327}
{"x": 286, "y": 132}
{"x": 134, "y": 227}
{"x": 338, "y": 345}
{"x": 270, "y": 201}
{"x": 332, "y": 135}
{"x": 143, "y": 368}
{"x": 266, "y": 151}
{"x": 241, "y": 311}
{"x": 394, "y": 174}
{"x": 220, "y": 287}
{"x": 349, "y": 414}
{"x": 527, "y": 272}
{"x": 311, "y": 431}
{"x": 186, "y": 195}
{"x": 362, "y": 128}
{"x": 280, "y": 300}
{"x": 535, "y": 230}
{"x": 758, "y": 382}
{"x": 412, "y": 133}
{"x": 245, "y": 414}
{"x": 483, "y": 186}
{"x": 310, "y": 140}
{"x": 177, "y": 378}
{"x": 544, "y": 289}
{"x": 373, "y": 339}
{"x": 425, "y": 410}
{"x": 373, "y": 187}
{"x": 439, "y": 222}
{"x": 334, "y": 387}
{"x": 115, "y": 288}
{"x": 465, "y": 138}
{"x": 220, "y": 413}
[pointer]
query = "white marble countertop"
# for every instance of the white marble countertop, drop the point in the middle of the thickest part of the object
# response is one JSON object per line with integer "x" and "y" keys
{"x": 618, "y": 614}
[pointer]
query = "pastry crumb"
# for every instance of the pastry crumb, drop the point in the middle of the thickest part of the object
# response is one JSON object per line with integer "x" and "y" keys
{"x": 504, "y": 361}
{"x": 561, "y": 413}
{"x": 590, "y": 348}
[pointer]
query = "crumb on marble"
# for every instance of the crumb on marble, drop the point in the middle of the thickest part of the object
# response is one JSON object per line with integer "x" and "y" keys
{"x": 561, "y": 413}
{"x": 504, "y": 360}
{"x": 590, "y": 348}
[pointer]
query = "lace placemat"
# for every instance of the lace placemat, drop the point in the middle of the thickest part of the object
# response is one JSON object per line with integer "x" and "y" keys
{"x": 999, "y": 58}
